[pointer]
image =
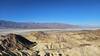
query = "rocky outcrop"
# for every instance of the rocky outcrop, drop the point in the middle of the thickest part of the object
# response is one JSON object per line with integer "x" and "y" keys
{"x": 14, "y": 45}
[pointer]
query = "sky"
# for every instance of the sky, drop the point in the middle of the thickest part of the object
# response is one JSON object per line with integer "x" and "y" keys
{"x": 78, "y": 12}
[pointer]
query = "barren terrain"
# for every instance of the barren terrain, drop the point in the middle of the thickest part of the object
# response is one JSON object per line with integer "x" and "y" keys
{"x": 47, "y": 42}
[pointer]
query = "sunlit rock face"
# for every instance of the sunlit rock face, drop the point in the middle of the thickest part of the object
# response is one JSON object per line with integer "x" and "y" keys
{"x": 52, "y": 43}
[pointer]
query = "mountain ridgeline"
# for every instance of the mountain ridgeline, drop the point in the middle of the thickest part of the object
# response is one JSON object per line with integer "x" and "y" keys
{"x": 25, "y": 25}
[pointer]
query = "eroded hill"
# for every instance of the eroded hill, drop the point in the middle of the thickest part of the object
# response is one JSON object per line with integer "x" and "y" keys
{"x": 51, "y": 43}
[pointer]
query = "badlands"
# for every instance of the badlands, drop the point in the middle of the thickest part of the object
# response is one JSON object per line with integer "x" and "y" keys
{"x": 50, "y": 43}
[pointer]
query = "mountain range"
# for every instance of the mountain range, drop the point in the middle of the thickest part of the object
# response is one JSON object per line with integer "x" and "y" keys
{"x": 25, "y": 25}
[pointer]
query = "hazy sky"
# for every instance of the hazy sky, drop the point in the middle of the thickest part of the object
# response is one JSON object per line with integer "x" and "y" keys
{"x": 82, "y": 12}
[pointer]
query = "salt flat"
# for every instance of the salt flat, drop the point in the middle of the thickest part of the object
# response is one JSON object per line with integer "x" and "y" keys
{"x": 17, "y": 31}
